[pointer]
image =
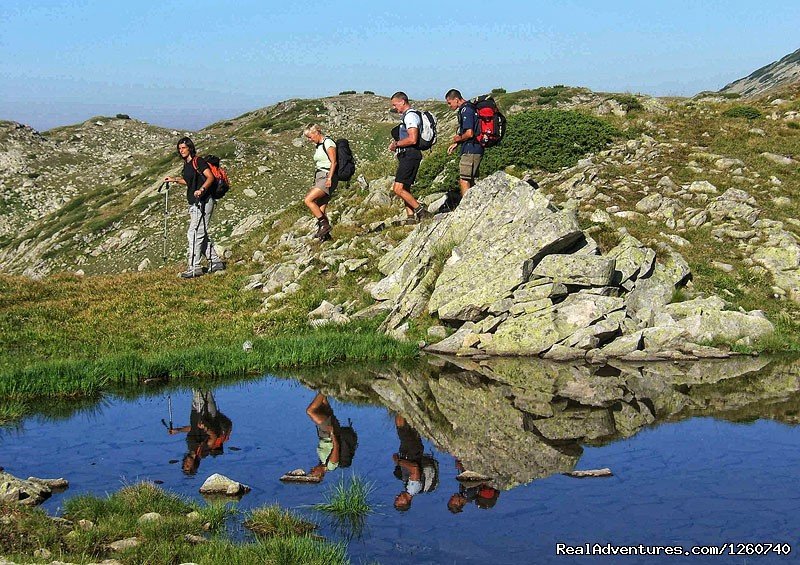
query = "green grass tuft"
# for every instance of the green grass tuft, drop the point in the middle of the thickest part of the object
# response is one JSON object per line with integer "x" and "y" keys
{"x": 274, "y": 521}
{"x": 348, "y": 499}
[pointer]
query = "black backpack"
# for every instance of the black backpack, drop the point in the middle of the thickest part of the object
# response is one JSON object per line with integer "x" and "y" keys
{"x": 348, "y": 442}
{"x": 345, "y": 163}
{"x": 491, "y": 121}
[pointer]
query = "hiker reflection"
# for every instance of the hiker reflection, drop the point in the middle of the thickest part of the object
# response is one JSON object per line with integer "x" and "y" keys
{"x": 328, "y": 432}
{"x": 207, "y": 432}
{"x": 419, "y": 472}
{"x": 479, "y": 491}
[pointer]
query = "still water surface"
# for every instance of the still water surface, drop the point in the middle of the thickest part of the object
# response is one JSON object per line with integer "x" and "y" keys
{"x": 703, "y": 454}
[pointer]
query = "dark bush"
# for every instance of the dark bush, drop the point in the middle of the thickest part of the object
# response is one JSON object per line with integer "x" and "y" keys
{"x": 627, "y": 101}
{"x": 547, "y": 139}
{"x": 793, "y": 125}
{"x": 343, "y": 92}
{"x": 498, "y": 91}
{"x": 432, "y": 165}
{"x": 123, "y": 117}
{"x": 747, "y": 112}
{"x": 368, "y": 92}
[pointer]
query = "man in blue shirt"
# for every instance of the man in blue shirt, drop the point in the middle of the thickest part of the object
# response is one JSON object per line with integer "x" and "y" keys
{"x": 471, "y": 150}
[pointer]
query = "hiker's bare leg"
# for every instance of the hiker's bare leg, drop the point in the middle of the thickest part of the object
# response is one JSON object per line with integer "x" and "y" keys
{"x": 410, "y": 202}
{"x": 311, "y": 200}
{"x": 464, "y": 185}
{"x": 319, "y": 409}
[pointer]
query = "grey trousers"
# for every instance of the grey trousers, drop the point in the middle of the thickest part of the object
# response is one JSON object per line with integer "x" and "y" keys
{"x": 200, "y": 244}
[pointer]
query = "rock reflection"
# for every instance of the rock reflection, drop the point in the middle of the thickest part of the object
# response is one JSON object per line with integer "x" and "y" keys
{"x": 516, "y": 420}
{"x": 207, "y": 432}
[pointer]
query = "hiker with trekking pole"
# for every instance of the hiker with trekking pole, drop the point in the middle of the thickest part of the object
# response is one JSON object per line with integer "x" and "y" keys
{"x": 198, "y": 178}
{"x": 207, "y": 432}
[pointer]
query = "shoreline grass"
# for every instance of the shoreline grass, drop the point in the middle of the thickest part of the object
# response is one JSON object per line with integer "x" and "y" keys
{"x": 82, "y": 378}
{"x": 67, "y": 337}
{"x": 178, "y": 536}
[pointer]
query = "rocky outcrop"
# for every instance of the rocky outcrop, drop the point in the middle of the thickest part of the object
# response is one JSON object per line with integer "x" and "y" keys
{"x": 782, "y": 72}
{"x": 30, "y": 492}
{"x": 517, "y": 276}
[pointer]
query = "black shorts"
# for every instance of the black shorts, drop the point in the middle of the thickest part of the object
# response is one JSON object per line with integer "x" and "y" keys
{"x": 407, "y": 168}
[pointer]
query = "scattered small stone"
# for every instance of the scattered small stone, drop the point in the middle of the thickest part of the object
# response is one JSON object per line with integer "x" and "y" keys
{"x": 124, "y": 544}
{"x": 193, "y": 515}
{"x": 722, "y": 266}
{"x": 149, "y": 517}
{"x": 605, "y": 472}
{"x": 472, "y": 476}
{"x": 195, "y": 540}
{"x": 220, "y": 484}
{"x": 437, "y": 332}
{"x": 247, "y": 346}
{"x": 85, "y": 525}
{"x": 778, "y": 159}
{"x": 43, "y": 553}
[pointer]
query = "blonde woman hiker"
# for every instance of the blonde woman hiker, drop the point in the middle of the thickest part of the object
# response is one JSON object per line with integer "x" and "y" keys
{"x": 325, "y": 179}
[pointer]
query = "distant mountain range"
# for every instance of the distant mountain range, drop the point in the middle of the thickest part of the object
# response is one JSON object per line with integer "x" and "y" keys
{"x": 777, "y": 74}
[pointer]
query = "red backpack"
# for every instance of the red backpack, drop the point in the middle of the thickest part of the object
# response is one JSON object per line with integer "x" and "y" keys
{"x": 221, "y": 186}
{"x": 491, "y": 121}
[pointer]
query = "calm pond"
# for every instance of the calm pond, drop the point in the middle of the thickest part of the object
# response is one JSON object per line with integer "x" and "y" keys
{"x": 702, "y": 454}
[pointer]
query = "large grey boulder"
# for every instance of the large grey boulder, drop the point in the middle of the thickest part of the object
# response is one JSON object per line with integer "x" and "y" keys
{"x": 532, "y": 334}
{"x": 632, "y": 260}
{"x": 582, "y": 270}
{"x": 656, "y": 290}
{"x": 498, "y": 249}
{"x": 780, "y": 255}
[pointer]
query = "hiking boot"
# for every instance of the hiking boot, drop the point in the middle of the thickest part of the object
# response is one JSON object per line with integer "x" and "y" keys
{"x": 421, "y": 213}
{"x": 191, "y": 274}
{"x": 326, "y": 237}
{"x": 217, "y": 266}
{"x": 410, "y": 221}
{"x": 323, "y": 229}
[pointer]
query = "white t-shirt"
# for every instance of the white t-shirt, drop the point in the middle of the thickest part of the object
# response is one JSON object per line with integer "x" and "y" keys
{"x": 321, "y": 159}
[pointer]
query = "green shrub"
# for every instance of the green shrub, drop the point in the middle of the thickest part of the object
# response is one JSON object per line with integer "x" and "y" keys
{"x": 432, "y": 166}
{"x": 498, "y": 91}
{"x": 368, "y": 92}
{"x": 123, "y": 117}
{"x": 747, "y": 112}
{"x": 343, "y": 92}
{"x": 793, "y": 125}
{"x": 627, "y": 101}
{"x": 547, "y": 139}
{"x": 552, "y": 95}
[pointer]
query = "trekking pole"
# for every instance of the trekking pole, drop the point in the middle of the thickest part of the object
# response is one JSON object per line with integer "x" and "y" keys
{"x": 169, "y": 404}
{"x": 194, "y": 240}
{"x": 166, "y": 213}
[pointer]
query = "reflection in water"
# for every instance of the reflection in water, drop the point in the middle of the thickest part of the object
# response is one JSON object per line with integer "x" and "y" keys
{"x": 418, "y": 472}
{"x": 336, "y": 443}
{"x": 481, "y": 492}
{"x": 517, "y": 420}
{"x": 207, "y": 432}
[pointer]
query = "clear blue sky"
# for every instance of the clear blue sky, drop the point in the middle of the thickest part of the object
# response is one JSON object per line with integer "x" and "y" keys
{"x": 187, "y": 64}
